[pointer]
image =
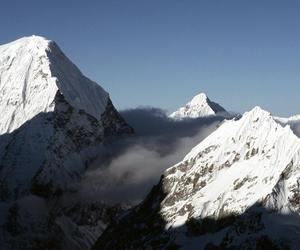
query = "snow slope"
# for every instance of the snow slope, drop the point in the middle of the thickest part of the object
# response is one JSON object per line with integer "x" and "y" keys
{"x": 199, "y": 106}
{"x": 238, "y": 188}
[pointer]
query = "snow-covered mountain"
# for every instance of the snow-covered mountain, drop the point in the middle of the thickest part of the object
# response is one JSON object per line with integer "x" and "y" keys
{"x": 199, "y": 106}
{"x": 237, "y": 189}
{"x": 32, "y": 71}
{"x": 53, "y": 122}
{"x": 52, "y": 118}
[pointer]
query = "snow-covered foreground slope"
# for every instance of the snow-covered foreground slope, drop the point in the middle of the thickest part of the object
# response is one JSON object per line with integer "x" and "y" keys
{"x": 199, "y": 106}
{"x": 239, "y": 188}
{"x": 53, "y": 122}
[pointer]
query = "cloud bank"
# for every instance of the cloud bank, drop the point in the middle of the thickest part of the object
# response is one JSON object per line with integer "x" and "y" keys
{"x": 129, "y": 167}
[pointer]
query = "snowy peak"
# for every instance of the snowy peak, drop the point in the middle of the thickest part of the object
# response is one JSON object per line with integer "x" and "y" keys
{"x": 53, "y": 121}
{"x": 244, "y": 166}
{"x": 199, "y": 106}
{"x": 32, "y": 71}
{"x": 255, "y": 128}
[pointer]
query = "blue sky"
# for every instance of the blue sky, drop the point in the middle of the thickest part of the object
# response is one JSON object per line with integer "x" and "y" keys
{"x": 161, "y": 53}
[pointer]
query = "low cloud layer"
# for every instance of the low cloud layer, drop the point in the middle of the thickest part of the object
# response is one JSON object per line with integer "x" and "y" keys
{"x": 295, "y": 126}
{"x": 130, "y": 166}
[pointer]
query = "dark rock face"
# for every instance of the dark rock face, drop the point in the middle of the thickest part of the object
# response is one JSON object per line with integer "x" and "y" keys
{"x": 142, "y": 226}
{"x": 217, "y": 108}
{"x": 113, "y": 122}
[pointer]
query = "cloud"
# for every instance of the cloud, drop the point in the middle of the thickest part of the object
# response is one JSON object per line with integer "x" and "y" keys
{"x": 295, "y": 126}
{"x": 129, "y": 167}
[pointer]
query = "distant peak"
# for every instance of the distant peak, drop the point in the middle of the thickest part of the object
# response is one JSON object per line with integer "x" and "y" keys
{"x": 199, "y": 106}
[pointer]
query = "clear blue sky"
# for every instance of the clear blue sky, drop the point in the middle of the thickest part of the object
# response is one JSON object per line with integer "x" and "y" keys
{"x": 161, "y": 53}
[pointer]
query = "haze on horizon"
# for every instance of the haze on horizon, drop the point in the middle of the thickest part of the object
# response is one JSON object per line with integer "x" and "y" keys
{"x": 161, "y": 54}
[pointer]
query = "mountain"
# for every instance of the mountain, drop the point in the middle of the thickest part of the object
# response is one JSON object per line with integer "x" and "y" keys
{"x": 54, "y": 122}
{"x": 199, "y": 106}
{"x": 53, "y": 119}
{"x": 238, "y": 189}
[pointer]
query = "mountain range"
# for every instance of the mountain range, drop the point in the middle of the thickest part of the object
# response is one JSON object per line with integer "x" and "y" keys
{"x": 239, "y": 188}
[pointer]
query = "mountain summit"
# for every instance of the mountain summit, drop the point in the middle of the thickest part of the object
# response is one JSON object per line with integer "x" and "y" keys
{"x": 52, "y": 119}
{"x": 199, "y": 106}
{"x": 237, "y": 189}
